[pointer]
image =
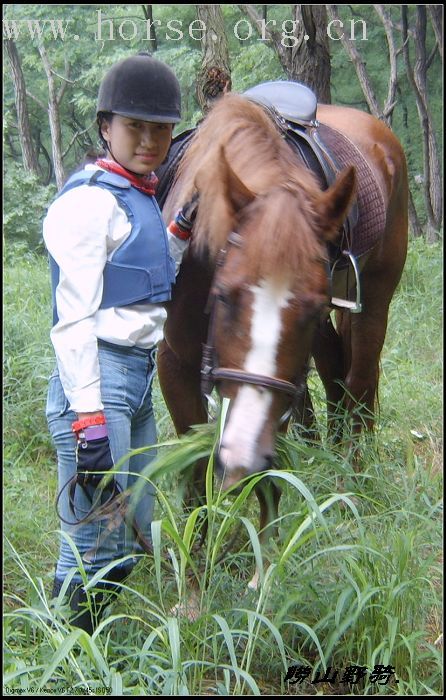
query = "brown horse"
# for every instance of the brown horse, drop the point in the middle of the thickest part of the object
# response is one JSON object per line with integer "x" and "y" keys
{"x": 266, "y": 211}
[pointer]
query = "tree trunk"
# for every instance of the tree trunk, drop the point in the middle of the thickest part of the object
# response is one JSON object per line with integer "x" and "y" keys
{"x": 436, "y": 15}
{"x": 301, "y": 46}
{"x": 54, "y": 119}
{"x": 310, "y": 58}
{"x": 214, "y": 78}
{"x": 414, "y": 222}
{"x": 358, "y": 62}
{"x": 148, "y": 16}
{"x": 29, "y": 155}
{"x": 433, "y": 195}
{"x": 393, "y": 77}
{"x": 418, "y": 80}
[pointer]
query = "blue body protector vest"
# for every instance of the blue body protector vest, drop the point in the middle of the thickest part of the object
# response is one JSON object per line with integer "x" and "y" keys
{"x": 141, "y": 269}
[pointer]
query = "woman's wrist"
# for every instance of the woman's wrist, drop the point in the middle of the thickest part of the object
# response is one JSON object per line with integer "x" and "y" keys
{"x": 89, "y": 414}
{"x": 87, "y": 420}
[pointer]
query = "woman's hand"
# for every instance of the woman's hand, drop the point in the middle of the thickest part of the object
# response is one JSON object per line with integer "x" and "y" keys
{"x": 93, "y": 456}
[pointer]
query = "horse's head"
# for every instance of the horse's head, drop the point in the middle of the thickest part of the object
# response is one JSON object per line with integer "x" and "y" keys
{"x": 270, "y": 289}
{"x": 267, "y": 214}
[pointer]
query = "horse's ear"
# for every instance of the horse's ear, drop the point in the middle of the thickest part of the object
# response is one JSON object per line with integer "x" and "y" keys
{"x": 237, "y": 192}
{"x": 334, "y": 203}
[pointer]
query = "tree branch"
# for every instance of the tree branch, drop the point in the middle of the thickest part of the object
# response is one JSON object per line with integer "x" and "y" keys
{"x": 36, "y": 99}
{"x": 391, "y": 100}
{"x": 421, "y": 106}
{"x": 76, "y": 135}
{"x": 436, "y": 15}
{"x": 358, "y": 62}
{"x": 432, "y": 56}
{"x": 271, "y": 37}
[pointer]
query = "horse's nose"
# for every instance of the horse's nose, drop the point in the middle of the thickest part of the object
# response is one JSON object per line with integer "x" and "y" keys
{"x": 268, "y": 462}
{"x": 231, "y": 476}
{"x": 219, "y": 468}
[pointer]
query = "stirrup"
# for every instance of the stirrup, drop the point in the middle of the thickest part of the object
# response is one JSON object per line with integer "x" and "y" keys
{"x": 355, "y": 307}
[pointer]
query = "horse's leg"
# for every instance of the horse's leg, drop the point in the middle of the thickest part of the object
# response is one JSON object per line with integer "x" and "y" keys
{"x": 304, "y": 415}
{"x": 379, "y": 280}
{"x": 330, "y": 352}
{"x": 268, "y": 495}
{"x": 361, "y": 382}
{"x": 347, "y": 360}
{"x": 180, "y": 385}
{"x": 367, "y": 335}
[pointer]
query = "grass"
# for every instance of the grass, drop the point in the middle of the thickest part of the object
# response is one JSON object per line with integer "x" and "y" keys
{"x": 352, "y": 580}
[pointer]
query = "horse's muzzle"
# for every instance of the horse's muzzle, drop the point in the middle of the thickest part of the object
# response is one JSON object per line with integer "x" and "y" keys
{"x": 232, "y": 476}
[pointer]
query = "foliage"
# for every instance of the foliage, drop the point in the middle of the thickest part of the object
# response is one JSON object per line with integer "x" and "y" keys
{"x": 353, "y": 578}
{"x": 25, "y": 204}
{"x": 405, "y": 119}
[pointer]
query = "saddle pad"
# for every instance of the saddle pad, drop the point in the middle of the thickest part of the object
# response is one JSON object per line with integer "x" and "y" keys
{"x": 370, "y": 201}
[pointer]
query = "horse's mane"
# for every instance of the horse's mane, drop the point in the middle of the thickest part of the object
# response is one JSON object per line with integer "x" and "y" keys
{"x": 283, "y": 211}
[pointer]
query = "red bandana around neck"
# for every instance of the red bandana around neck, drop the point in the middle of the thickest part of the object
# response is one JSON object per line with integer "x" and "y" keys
{"x": 145, "y": 183}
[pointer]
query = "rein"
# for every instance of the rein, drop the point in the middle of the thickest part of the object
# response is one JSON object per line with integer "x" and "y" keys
{"x": 113, "y": 510}
{"x": 211, "y": 373}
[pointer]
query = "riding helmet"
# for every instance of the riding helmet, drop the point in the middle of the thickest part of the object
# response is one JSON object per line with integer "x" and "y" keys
{"x": 141, "y": 87}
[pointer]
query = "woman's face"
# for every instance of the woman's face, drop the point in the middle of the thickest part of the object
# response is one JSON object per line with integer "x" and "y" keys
{"x": 137, "y": 145}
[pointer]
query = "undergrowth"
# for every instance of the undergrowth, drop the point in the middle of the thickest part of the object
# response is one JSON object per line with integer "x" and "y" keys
{"x": 351, "y": 581}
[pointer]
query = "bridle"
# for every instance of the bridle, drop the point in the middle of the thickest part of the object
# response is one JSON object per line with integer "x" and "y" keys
{"x": 212, "y": 374}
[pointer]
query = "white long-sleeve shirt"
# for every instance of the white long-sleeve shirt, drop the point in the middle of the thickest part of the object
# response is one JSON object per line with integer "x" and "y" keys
{"x": 81, "y": 230}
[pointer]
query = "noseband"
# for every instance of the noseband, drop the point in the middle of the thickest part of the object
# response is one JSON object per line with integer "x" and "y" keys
{"x": 212, "y": 374}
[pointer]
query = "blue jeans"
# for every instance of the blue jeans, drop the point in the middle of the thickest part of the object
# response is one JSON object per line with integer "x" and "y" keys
{"x": 126, "y": 392}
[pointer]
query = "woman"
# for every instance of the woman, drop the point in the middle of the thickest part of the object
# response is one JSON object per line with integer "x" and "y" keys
{"x": 113, "y": 264}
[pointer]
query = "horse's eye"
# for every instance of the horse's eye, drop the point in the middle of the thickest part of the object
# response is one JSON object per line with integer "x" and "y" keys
{"x": 227, "y": 301}
{"x": 225, "y": 294}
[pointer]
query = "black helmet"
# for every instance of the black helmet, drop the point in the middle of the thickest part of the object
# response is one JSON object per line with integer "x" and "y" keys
{"x": 141, "y": 87}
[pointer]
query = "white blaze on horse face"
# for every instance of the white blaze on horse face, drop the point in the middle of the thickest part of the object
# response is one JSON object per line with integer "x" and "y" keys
{"x": 251, "y": 406}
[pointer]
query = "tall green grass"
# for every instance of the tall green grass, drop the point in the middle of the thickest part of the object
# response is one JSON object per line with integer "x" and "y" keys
{"x": 353, "y": 578}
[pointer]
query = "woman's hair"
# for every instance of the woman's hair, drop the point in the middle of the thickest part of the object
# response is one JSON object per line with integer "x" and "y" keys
{"x": 101, "y": 150}
{"x": 91, "y": 156}
{"x": 100, "y": 119}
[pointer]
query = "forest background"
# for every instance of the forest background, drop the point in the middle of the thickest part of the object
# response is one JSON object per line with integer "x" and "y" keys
{"x": 387, "y": 59}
